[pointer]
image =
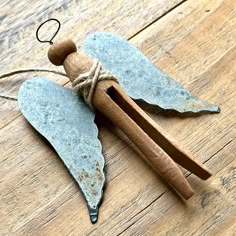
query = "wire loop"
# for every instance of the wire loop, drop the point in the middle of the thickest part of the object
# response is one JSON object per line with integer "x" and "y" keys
{"x": 48, "y": 41}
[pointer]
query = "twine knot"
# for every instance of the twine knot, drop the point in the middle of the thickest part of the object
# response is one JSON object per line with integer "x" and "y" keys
{"x": 85, "y": 84}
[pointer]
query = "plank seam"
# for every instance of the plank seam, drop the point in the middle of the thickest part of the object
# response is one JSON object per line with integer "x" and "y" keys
{"x": 169, "y": 191}
{"x": 158, "y": 18}
{"x": 224, "y": 146}
{"x": 142, "y": 211}
{"x": 11, "y": 121}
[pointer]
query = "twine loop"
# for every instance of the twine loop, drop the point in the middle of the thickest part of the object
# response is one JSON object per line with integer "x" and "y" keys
{"x": 85, "y": 84}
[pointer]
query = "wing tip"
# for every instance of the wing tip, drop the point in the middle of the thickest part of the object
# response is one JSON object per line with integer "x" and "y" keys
{"x": 93, "y": 214}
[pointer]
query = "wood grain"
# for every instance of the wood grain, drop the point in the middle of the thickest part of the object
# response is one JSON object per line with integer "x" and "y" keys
{"x": 195, "y": 44}
{"x": 20, "y": 19}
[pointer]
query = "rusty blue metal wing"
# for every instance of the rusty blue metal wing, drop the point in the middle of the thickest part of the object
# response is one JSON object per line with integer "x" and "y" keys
{"x": 139, "y": 77}
{"x": 62, "y": 117}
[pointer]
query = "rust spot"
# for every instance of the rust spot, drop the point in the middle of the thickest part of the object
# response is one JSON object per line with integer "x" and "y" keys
{"x": 84, "y": 174}
{"x": 95, "y": 193}
{"x": 80, "y": 178}
{"x": 97, "y": 169}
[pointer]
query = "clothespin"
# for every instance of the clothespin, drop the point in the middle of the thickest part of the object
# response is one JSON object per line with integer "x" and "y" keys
{"x": 161, "y": 151}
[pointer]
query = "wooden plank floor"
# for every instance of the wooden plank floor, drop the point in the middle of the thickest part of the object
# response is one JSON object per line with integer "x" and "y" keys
{"x": 195, "y": 43}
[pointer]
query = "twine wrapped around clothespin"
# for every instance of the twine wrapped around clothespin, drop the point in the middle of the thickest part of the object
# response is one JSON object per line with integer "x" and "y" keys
{"x": 85, "y": 84}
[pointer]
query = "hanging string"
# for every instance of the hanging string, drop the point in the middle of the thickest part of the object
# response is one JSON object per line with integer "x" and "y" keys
{"x": 15, "y": 72}
{"x": 34, "y": 69}
{"x": 26, "y": 71}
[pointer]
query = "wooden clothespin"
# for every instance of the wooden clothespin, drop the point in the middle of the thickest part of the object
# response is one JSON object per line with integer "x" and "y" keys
{"x": 161, "y": 151}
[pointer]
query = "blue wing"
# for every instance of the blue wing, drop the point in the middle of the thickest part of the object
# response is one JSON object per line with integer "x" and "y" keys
{"x": 67, "y": 123}
{"x": 139, "y": 77}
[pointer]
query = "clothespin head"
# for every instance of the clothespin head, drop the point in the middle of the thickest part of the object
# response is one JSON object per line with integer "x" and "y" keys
{"x": 64, "y": 52}
{"x": 59, "y": 50}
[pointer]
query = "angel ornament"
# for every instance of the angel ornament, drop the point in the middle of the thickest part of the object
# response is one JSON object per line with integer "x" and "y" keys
{"x": 111, "y": 75}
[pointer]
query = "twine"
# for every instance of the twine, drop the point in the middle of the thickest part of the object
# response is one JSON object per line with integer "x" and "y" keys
{"x": 85, "y": 84}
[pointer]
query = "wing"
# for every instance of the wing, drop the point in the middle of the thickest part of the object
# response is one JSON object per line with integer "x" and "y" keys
{"x": 68, "y": 124}
{"x": 139, "y": 77}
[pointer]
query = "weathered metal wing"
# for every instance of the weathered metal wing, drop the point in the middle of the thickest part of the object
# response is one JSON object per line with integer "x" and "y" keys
{"x": 139, "y": 77}
{"x": 67, "y": 123}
